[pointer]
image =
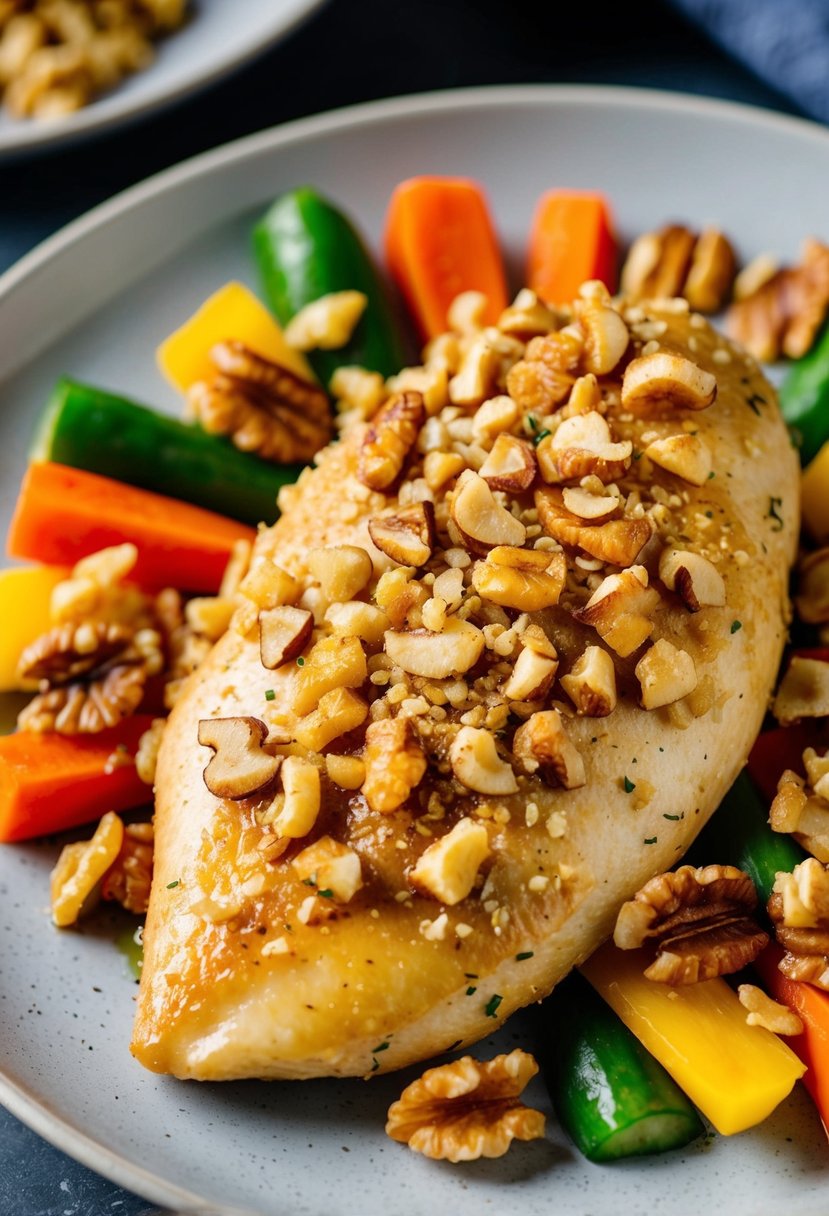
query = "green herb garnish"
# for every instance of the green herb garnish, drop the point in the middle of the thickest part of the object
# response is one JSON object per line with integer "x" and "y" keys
{"x": 774, "y": 505}
{"x": 175, "y": 883}
{"x": 270, "y": 695}
{"x": 736, "y": 626}
{"x": 525, "y": 954}
{"x": 492, "y": 1004}
{"x": 650, "y": 840}
{"x": 629, "y": 785}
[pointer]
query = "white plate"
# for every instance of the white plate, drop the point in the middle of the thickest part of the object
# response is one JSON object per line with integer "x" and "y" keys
{"x": 93, "y": 302}
{"x": 219, "y": 38}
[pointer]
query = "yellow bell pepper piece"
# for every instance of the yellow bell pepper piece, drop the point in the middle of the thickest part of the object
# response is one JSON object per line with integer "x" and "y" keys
{"x": 24, "y": 610}
{"x": 231, "y": 313}
{"x": 735, "y": 1073}
{"x": 814, "y": 498}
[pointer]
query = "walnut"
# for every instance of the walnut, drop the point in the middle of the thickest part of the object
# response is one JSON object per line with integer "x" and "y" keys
{"x": 657, "y": 384}
{"x": 711, "y": 274}
{"x": 338, "y": 712}
{"x": 239, "y": 766}
{"x": 591, "y": 683}
{"x": 665, "y": 674}
{"x": 389, "y": 440}
{"x": 437, "y": 656}
{"x": 295, "y": 810}
{"x": 284, "y": 632}
{"x": 407, "y": 536}
{"x": 263, "y": 407}
{"x": 803, "y": 810}
{"x": 785, "y": 313}
{"x": 466, "y": 1110}
{"x": 342, "y": 571}
{"x": 799, "y": 910}
{"x": 763, "y": 1011}
{"x": 686, "y": 456}
{"x": 541, "y": 381}
{"x": 528, "y": 316}
{"x": 80, "y": 868}
{"x": 447, "y": 869}
{"x": 90, "y": 676}
{"x": 334, "y": 662}
{"x": 606, "y": 335}
{"x": 620, "y": 610}
{"x": 492, "y": 418}
{"x": 394, "y": 764}
{"x": 618, "y": 541}
{"x": 326, "y": 323}
{"x": 331, "y": 867}
{"x": 803, "y": 691}
{"x": 524, "y": 579}
{"x": 582, "y": 447}
{"x": 657, "y": 263}
{"x": 129, "y": 878}
{"x": 699, "y": 920}
{"x": 511, "y": 465}
{"x": 532, "y": 676}
{"x": 695, "y": 579}
{"x": 149, "y": 744}
{"x": 476, "y": 763}
{"x": 480, "y": 521}
{"x": 541, "y": 745}
{"x": 486, "y": 360}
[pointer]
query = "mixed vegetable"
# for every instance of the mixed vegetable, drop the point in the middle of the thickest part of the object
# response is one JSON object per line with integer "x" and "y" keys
{"x": 141, "y": 526}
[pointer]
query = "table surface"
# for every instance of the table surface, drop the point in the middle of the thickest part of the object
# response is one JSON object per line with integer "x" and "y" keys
{"x": 355, "y": 52}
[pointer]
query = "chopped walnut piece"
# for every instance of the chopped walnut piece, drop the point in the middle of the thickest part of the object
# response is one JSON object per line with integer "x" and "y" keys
{"x": 620, "y": 610}
{"x": 657, "y": 263}
{"x": 389, "y": 439}
{"x": 90, "y": 676}
{"x": 583, "y": 447}
{"x": 803, "y": 691}
{"x": 476, "y": 763}
{"x": 618, "y": 541}
{"x": 359, "y": 620}
{"x": 700, "y": 921}
{"x": 395, "y": 764}
{"x": 799, "y": 910}
{"x": 338, "y": 712}
{"x": 331, "y": 867}
{"x": 342, "y": 571}
{"x": 784, "y": 314}
{"x": 686, "y": 456}
{"x": 263, "y": 407}
{"x": 510, "y": 466}
{"x": 284, "y": 633}
{"x": 532, "y": 676}
{"x": 348, "y": 772}
{"x": 129, "y": 878}
{"x": 239, "y": 767}
{"x": 591, "y": 683}
{"x": 524, "y": 579}
{"x": 493, "y": 417}
{"x": 335, "y": 662}
{"x": 812, "y": 599}
{"x": 606, "y": 336}
{"x": 480, "y": 521}
{"x": 80, "y": 868}
{"x": 326, "y": 323}
{"x": 763, "y": 1011}
{"x": 665, "y": 674}
{"x": 466, "y": 1110}
{"x": 447, "y": 869}
{"x": 149, "y": 744}
{"x": 437, "y": 656}
{"x": 695, "y": 579}
{"x": 541, "y": 745}
{"x": 711, "y": 274}
{"x": 659, "y": 383}
{"x": 541, "y": 381}
{"x": 299, "y": 804}
{"x": 269, "y": 586}
{"x": 593, "y": 508}
{"x": 407, "y": 536}
{"x": 486, "y": 360}
{"x": 803, "y": 810}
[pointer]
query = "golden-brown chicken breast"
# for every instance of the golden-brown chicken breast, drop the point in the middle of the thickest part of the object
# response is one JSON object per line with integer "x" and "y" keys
{"x": 520, "y": 633}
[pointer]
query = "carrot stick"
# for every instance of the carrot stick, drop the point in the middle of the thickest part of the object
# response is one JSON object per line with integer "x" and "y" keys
{"x": 812, "y": 1007}
{"x": 51, "y": 782}
{"x": 63, "y": 514}
{"x": 571, "y": 241}
{"x": 440, "y": 241}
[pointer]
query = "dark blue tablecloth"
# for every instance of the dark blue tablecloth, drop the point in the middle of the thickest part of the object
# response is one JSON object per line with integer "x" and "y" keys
{"x": 353, "y": 50}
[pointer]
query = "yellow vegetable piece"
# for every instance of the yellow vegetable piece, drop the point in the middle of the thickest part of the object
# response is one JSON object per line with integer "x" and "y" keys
{"x": 231, "y": 313}
{"x": 24, "y": 610}
{"x": 814, "y": 486}
{"x": 735, "y": 1073}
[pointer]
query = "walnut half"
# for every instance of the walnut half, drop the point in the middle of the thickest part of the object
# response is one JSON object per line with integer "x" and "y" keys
{"x": 466, "y": 1110}
{"x": 700, "y": 921}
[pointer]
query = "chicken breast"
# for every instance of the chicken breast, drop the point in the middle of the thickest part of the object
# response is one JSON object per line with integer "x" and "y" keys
{"x": 470, "y": 782}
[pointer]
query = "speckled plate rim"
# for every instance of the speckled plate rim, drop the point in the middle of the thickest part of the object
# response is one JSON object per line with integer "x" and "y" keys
{"x": 26, "y": 1105}
{"x": 117, "y": 109}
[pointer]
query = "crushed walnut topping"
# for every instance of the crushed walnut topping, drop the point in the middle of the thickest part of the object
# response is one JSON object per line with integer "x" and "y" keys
{"x": 700, "y": 921}
{"x": 763, "y": 1011}
{"x": 784, "y": 313}
{"x": 799, "y": 910}
{"x": 467, "y": 1109}
{"x": 801, "y": 806}
{"x": 677, "y": 262}
{"x": 128, "y": 879}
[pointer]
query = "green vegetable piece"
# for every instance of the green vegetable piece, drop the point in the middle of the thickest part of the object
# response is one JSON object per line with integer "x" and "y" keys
{"x": 739, "y": 835}
{"x": 305, "y": 248}
{"x": 87, "y": 428}
{"x": 804, "y": 399}
{"x": 611, "y": 1096}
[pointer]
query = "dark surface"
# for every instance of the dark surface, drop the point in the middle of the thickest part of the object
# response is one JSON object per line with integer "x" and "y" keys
{"x": 352, "y": 51}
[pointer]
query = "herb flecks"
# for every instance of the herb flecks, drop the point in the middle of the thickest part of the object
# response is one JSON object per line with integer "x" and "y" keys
{"x": 171, "y": 885}
{"x": 736, "y": 626}
{"x": 525, "y": 954}
{"x": 270, "y": 695}
{"x": 628, "y": 785}
{"x": 491, "y": 1007}
{"x": 650, "y": 840}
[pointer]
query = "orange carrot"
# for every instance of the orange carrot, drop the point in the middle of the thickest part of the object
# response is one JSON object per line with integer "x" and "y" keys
{"x": 812, "y": 1007}
{"x": 571, "y": 241}
{"x": 51, "y": 782}
{"x": 440, "y": 241}
{"x": 63, "y": 514}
